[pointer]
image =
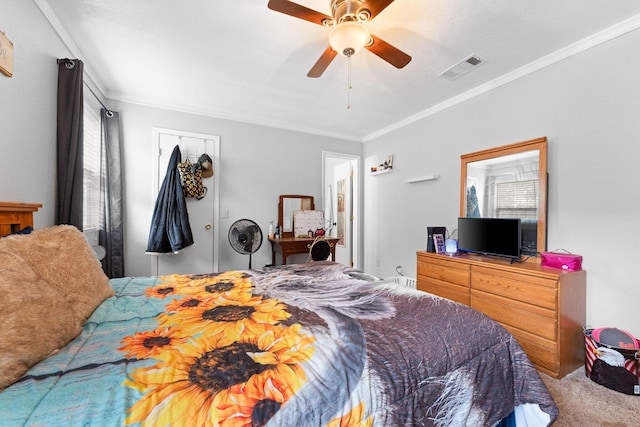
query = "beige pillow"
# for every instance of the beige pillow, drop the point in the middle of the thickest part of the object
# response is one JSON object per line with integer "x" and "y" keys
{"x": 62, "y": 257}
{"x": 35, "y": 318}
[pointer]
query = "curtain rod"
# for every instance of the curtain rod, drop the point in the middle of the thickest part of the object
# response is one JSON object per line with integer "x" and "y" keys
{"x": 71, "y": 64}
{"x": 108, "y": 111}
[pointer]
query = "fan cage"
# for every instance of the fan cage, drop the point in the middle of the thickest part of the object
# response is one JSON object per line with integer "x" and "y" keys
{"x": 241, "y": 226}
{"x": 407, "y": 282}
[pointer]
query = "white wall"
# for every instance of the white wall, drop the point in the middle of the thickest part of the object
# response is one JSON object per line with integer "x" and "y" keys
{"x": 28, "y": 109}
{"x": 257, "y": 165}
{"x": 589, "y": 107}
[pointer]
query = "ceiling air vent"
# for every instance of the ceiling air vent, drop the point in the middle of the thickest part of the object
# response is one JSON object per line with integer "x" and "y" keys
{"x": 462, "y": 67}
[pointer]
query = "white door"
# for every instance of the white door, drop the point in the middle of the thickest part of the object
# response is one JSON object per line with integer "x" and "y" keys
{"x": 202, "y": 256}
{"x": 340, "y": 174}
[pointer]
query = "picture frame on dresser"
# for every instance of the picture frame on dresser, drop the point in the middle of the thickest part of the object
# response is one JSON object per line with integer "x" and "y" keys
{"x": 430, "y": 232}
{"x": 438, "y": 243}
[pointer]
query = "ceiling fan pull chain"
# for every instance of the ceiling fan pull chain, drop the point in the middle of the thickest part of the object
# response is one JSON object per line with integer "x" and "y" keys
{"x": 349, "y": 82}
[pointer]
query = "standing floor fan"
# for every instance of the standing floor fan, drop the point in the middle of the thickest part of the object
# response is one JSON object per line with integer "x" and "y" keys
{"x": 245, "y": 236}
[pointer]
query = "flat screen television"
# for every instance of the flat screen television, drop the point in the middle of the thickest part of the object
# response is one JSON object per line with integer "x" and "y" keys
{"x": 490, "y": 236}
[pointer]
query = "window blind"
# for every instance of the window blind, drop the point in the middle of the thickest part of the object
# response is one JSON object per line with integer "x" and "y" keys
{"x": 91, "y": 167}
{"x": 517, "y": 199}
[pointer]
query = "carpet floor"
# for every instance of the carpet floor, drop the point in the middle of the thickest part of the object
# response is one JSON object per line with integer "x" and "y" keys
{"x": 583, "y": 402}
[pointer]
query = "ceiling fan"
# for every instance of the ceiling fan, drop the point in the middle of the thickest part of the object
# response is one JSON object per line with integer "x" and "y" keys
{"x": 348, "y": 33}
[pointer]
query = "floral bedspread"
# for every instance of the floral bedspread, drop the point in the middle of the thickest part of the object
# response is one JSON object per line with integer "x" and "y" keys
{"x": 301, "y": 345}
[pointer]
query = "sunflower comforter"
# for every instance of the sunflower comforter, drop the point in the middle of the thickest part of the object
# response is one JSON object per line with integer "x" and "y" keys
{"x": 301, "y": 345}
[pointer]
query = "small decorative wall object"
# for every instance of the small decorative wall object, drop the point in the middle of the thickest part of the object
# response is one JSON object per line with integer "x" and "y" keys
{"x": 6, "y": 55}
{"x": 388, "y": 164}
{"x": 384, "y": 167}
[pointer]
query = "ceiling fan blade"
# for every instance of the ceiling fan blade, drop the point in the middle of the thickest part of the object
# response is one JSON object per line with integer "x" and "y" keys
{"x": 389, "y": 53}
{"x": 322, "y": 63}
{"x": 375, "y": 6}
{"x": 298, "y": 11}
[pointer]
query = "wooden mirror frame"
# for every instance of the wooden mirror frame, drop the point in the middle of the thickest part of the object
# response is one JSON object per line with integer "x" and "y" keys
{"x": 281, "y": 206}
{"x": 539, "y": 144}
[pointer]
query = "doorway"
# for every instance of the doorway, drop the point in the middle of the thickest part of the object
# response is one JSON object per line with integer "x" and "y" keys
{"x": 202, "y": 256}
{"x": 341, "y": 204}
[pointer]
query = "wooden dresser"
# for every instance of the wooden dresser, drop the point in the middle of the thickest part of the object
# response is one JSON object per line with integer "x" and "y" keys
{"x": 14, "y": 216}
{"x": 544, "y": 308}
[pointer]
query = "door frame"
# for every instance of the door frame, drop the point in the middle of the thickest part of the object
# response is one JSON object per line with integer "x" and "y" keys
{"x": 356, "y": 224}
{"x": 157, "y": 131}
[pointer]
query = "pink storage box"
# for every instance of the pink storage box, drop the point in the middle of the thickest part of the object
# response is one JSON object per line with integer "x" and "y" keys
{"x": 562, "y": 260}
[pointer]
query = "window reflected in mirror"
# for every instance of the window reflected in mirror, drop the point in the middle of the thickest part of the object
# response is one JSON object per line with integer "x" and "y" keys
{"x": 506, "y": 187}
{"x": 509, "y": 182}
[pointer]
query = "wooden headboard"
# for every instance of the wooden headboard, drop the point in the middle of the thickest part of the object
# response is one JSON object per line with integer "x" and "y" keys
{"x": 16, "y": 216}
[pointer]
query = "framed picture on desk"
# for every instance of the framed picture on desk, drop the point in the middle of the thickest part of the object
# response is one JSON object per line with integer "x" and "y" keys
{"x": 305, "y": 221}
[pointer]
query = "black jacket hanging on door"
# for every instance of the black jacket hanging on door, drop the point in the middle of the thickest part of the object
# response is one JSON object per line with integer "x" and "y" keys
{"x": 170, "y": 229}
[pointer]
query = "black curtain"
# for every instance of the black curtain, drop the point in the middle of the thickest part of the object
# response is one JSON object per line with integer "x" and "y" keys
{"x": 111, "y": 195}
{"x": 69, "y": 143}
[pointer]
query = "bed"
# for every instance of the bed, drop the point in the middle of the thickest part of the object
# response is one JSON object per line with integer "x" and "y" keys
{"x": 316, "y": 344}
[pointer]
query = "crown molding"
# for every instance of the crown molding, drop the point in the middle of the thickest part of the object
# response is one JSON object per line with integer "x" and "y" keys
{"x": 119, "y": 97}
{"x": 583, "y": 45}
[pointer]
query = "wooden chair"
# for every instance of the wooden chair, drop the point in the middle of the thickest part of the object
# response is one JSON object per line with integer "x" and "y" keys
{"x": 319, "y": 249}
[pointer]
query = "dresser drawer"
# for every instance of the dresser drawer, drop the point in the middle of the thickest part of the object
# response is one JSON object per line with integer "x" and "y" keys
{"x": 519, "y": 287}
{"x": 536, "y": 320}
{"x": 446, "y": 271}
{"x": 444, "y": 289}
{"x": 542, "y": 352}
{"x": 510, "y": 272}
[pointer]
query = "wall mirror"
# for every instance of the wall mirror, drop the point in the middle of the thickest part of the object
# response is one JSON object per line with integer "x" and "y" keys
{"x": 509, "y": 182}
{"x": 287, "y": 205}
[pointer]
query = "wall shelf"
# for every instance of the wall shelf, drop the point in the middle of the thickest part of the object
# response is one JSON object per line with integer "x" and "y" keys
{"x": 381, "y": 171}
{"x": 383, "y": 167}
{"x": 431, "y": 177}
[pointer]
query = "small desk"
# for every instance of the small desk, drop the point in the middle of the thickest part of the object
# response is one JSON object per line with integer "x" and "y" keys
{"x": 296, "y": 245}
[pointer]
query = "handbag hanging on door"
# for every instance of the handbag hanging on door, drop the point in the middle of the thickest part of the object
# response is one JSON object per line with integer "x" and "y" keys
{"x": 191, "y": 179}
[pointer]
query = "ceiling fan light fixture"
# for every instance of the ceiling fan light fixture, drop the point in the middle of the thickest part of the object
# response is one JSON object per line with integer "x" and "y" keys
{"x": 348, "y": 37}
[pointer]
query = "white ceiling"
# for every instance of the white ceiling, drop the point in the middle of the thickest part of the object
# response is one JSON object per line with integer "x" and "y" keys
{"x": 237, "y": 59}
